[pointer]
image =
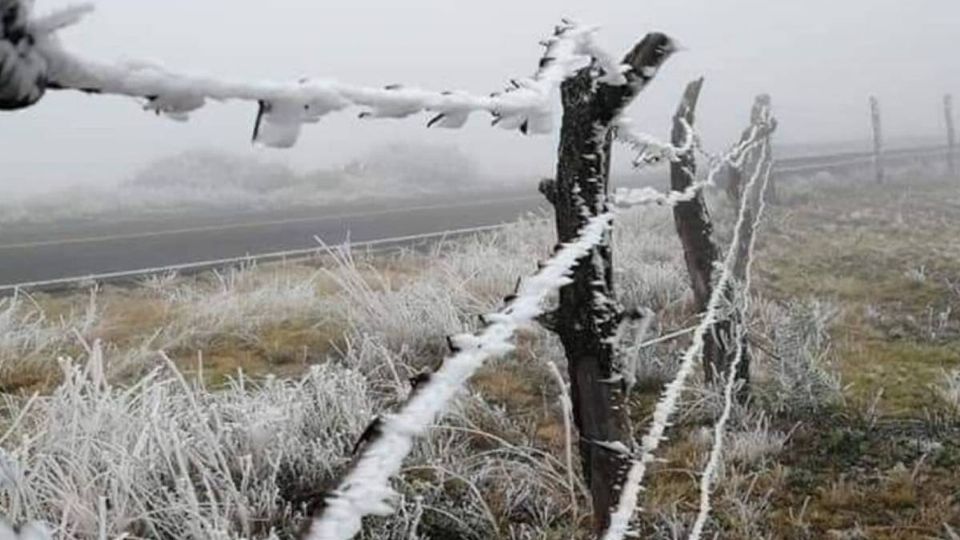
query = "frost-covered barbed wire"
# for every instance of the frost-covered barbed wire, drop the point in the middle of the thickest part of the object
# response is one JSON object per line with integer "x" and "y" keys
{"x": 711, "y": 469}
{"x": 472, "y": 274}
{"x": 145, "y": 451}
{"x": 666, "y": 406}
{"x": 628, "y": 197}
{"x": 366, "y": 488}
{"x": 527, "y": 104}
{"x": 651, "y": 150}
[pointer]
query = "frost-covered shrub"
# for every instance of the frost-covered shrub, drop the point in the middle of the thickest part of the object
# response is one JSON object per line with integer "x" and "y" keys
{"x": 159, "y": 456}
{"x": 800, "y": 378}
{"x": 419, "y": 313}
{"x": 166, "y": 458}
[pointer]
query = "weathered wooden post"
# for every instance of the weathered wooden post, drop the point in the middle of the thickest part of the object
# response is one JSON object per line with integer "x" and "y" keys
{"x": 692, "y": 220}
{"x": 695, "y": 228}
{"x": 758, "y": 164}
{"x": 877, "y": 138}
{"x": 758, "y": 161}
{"x": 692, "y": 217}
{"x": 735, "y": 181}
{"x": 951, "y": 136}
{"x": 588, "y": 314}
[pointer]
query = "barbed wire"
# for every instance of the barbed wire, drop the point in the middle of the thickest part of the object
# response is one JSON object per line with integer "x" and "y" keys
{"x": 711, "y": 469}
{"x": 32, "y": 60}
{"x": 667, "y": 405}
{"x": 365, "y": 490}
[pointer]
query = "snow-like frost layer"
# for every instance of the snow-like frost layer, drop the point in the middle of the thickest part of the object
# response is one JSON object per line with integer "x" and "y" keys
{"x": 31, "y": 531}
{"x": 366, "y": 489}
{"x": 284, "y": 107}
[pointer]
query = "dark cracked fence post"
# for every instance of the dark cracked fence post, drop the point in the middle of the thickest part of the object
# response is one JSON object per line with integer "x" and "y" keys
{"x": 692, "y": 220}
{"x": 735, "y": 180}
{"x": 588, "y": 315}
{"x": 695, "y": 229}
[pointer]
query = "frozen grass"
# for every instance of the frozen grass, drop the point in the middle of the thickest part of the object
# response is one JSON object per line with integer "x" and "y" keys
{"x": 169, "y": 458}
{"x": 122, "y": 439}
{"x": 163, "y": 454}
{"x": 949, "y": 391}
{"x": 800, "y": 379}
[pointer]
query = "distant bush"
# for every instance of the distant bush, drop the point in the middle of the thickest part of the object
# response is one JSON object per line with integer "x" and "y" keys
{"x": 210, "y": 179}
{"x": 210, "y": 169}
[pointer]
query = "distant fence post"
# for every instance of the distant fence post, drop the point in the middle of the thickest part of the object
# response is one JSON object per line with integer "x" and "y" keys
{"x": 589, "y": 315}
{"x": 951, "y": 136}
{"x": 735, "y": 180}
{"x": 877, "y": 138}
{"x": 692, "y": 218}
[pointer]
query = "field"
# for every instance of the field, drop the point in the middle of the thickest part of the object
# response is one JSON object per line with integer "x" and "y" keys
{"x": 268, "y": 374}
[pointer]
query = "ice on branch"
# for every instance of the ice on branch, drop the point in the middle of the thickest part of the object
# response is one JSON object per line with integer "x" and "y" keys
{"x": 283, "y": 107}
{"x": 366, "y": 488}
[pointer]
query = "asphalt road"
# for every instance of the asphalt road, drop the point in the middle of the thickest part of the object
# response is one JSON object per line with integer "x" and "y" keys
{"x": 24, "y": 258}
{"x": 47, "y": 255}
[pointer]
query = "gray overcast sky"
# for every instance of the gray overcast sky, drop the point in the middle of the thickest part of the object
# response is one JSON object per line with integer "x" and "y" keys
{"x": 820, "y": 59}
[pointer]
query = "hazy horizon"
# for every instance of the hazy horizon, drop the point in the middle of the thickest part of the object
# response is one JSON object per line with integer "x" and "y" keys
{"x": 820, "y": 61}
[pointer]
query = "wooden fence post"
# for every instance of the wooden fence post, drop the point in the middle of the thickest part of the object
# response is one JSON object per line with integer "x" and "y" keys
{"x": 692, "y": 220}
{"x": 951, "y": 136}
{"x": 759, "y": 163}
{"x": 691, "y": 217}
{"x": 877, "y": 138}
{"x": 695, "y": 229}
{"x": 588, "y": 314}
{"x": 735, "y": 180}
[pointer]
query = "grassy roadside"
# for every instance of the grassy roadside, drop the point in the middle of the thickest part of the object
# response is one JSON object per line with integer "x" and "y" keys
{"x": 854, "y": 281}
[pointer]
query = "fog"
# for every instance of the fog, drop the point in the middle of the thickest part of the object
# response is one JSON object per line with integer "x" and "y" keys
{"x": 818, "y": 59}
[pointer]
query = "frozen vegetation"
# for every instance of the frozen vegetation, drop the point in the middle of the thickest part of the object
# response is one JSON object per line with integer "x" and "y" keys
{"x": 129, "y": 439}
